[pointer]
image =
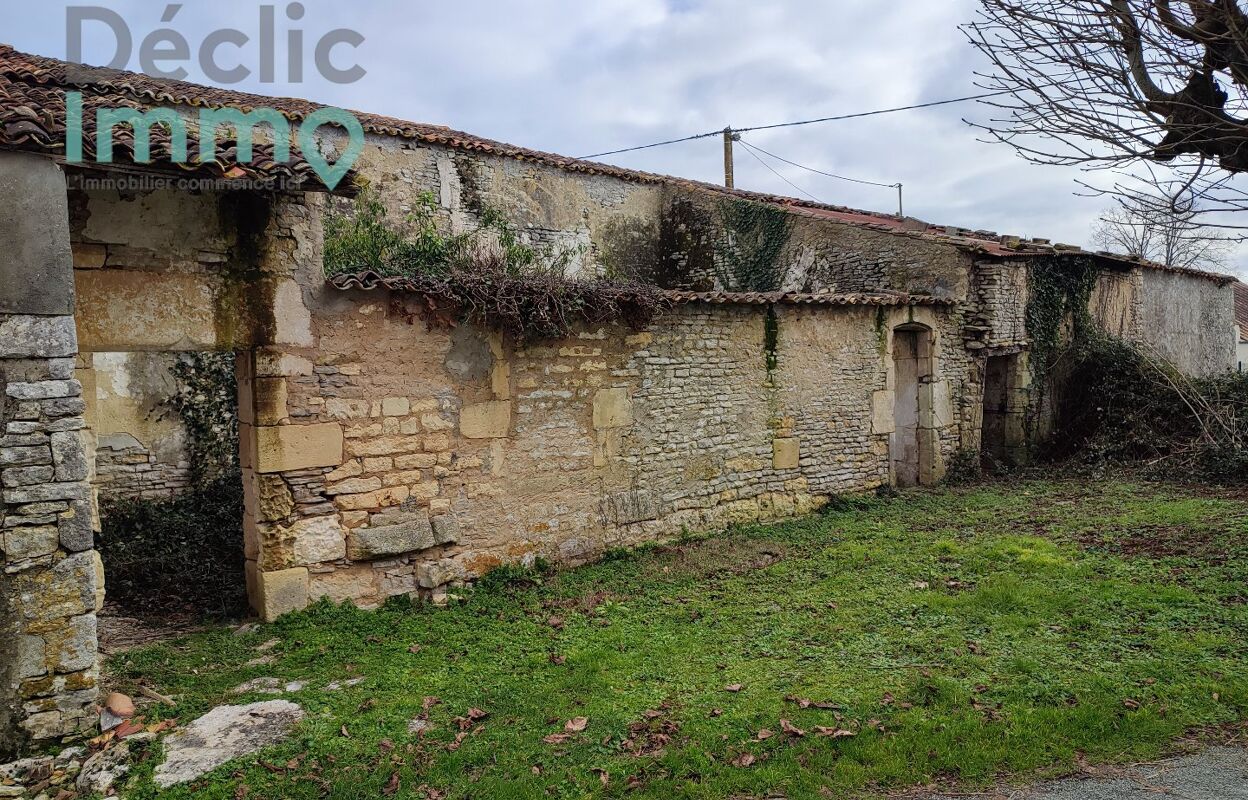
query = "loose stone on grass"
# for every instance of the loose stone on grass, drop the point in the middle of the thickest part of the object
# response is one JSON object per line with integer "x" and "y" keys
{"x": 223, "y": 734}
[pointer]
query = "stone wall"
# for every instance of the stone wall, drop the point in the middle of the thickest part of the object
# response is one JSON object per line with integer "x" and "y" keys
{"x": 52, "y": 585}
{"x": 1188, "y": 321}
{"x": 609, "y": 225}
{"x": 141, "y": 442}
{"x": 399, "y": 459}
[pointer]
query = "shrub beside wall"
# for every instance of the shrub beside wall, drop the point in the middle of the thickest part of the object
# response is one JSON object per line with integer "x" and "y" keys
{"x": 185, "y": 554}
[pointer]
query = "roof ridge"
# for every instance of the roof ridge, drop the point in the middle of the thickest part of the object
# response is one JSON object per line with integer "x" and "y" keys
{"x": 142, "y": 88}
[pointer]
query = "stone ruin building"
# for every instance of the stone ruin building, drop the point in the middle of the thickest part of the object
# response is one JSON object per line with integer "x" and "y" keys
{"x": 383, "y": 457}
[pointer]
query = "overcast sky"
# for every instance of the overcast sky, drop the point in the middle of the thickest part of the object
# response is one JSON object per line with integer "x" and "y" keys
{"x": 584, "y": 76}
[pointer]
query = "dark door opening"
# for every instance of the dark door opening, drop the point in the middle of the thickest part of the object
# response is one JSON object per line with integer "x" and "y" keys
{"x": 912, "y": 369}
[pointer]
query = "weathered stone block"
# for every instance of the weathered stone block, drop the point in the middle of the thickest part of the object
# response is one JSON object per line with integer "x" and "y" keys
{"x": 490, "y": 420}
{"x": 317, "y": 540}
{"x": 408, "y": 532}
{"x": 32, "y": 660}
{"x": 396, "y": 407}
{"x": 384, "y": 446}
{"x": 357, "y": 584}
{"x": 37, "y": 337}
{"x": 445, "y": 529}
{"x": 43, "y": 390}
{"x": 69, "y": 454}
{"x": 269, "y": 398}
{"x": 354, "y": 486}
{"x": 124, "y": 309}
{"x": 276, "y": 365}
{"x": 342, "y": 408}
{"x": 417, "y": 461}
{"x": 281, "y": 592}
{"x": 433, "y": 574}
{"x": 47, "y": 491}
{"x": 273, "y": 500}
{"x": 26, "y": 476}
{"x": 371, "y": 500}
{"x": 23, "y": 543}
{"x": 293, "y": 447}
{"x": 36, "y": 264}
{"x": 75, "y": 527}
{"x": 77, "y": 651}
{"x": 786, "y": 453}
{"x": 612, "y": 409}
{"x": 292, "y": 322}
{"x": 883, "y": 412}
{"x": 25, "y": 456}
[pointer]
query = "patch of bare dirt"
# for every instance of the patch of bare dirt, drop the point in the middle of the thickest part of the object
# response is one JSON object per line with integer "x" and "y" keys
{"x": 1157, "y": 542}
{"x": 731, "y": 556}
{"x": 120, "y": 632}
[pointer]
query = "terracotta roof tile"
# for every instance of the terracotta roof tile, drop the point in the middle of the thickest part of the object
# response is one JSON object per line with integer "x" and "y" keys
{"x": 34, "y": 125}
{"x": 33, "y": 117}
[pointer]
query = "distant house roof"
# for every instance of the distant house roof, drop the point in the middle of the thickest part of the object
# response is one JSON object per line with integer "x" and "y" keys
{"x": 32, "y": 109}
{"x": 1241, "y": 310}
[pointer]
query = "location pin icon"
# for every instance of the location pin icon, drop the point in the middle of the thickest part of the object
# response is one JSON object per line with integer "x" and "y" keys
{"x": 331, "y": 174}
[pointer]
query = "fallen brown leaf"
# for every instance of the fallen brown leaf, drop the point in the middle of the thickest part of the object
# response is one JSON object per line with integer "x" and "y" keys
{"x": 765, "y": 734}
{"x": 558, "y": 660}
{"x": 555, "y": 622}
{"x": 392, "y": 786}
{"x": 603, "y": 776}
{"x": 791, "y": 729}
{"x": 556, "y": 738}
{"x": 129, "y": 728}
{"x": 833, "y": 733}
{"x": 744, "y": 760}
{"x": 475, "y": 714}
{"x": 576, "y": 724}
{"x": 733, "y": 687}
{"x": 717, "y": 712}
{"x": 429, "y": 702}
{"x": 346, "y": 733}
{"x": 1128, "y": 702}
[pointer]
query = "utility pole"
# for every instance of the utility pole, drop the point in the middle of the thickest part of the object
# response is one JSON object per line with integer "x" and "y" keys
{"x": 901, "y": 209}
{"x": 729, "y": 138}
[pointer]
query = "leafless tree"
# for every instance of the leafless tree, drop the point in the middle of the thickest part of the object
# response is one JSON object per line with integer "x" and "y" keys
{"x": 1174, "y": 239}
{"x": 1124, "y": 85}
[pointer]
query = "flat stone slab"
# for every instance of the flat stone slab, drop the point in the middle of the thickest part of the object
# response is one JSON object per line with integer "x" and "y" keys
{"x": 1218, "y": 773}
{"x": 223, "y": 734}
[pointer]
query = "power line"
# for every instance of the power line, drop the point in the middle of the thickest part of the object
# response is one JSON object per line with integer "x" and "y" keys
{"x": 817, "y": 171}
{"x": 656, "y": 144}
{"x": 750, "y": 149}
{"x": 871, "y": 113}
{"x": 858, "y": 115}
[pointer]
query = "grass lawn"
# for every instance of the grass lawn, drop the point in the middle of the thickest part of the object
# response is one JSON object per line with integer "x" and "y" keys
{"x": 967, "y": 634}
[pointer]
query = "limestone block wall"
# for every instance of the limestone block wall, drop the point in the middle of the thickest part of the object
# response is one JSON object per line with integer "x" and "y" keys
{"x": 52, "y": 583}
{"x": 141, "y": 450}
{"x": 608, "y": 224}
{"x": 395, "y": 459}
